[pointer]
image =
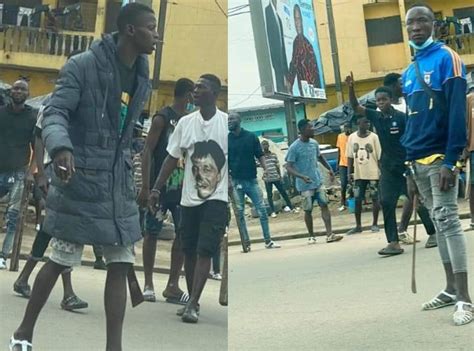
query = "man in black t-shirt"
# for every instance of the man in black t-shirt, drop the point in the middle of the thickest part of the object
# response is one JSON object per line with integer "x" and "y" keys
{"x": 17, "y": 123}
{"x": 394, "y": 82}
{"x": 153, "y": 157}
{"x": 244, "y": 150}
{"x": 390, "y": 125}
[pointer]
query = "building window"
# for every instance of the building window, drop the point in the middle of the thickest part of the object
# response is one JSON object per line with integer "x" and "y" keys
{"x": 466, "y": 18}
{"x": 18, "y": 13}
{"x": 77, "y": 15}
{"x": 383, "y": 31}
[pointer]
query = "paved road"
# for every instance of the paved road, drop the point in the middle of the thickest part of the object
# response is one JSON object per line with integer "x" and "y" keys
{"x": 339, "y": 296}
{"x": 147, "y": 327}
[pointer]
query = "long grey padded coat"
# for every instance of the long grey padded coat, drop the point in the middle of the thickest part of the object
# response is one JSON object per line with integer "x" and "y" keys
{"x": 98, "y": 205}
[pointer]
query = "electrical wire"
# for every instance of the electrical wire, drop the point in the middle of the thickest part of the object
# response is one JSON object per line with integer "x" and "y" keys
{"x": 220, "y": 8}
{"x": 245, "y": 99}
{"x": 237, "y": 8}
{"x": 239, "y": 13}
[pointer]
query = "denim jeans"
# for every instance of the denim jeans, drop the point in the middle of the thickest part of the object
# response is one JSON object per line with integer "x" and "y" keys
{"x": 11, "y": 183}
{"x": 444, "y": 211}
{"x": 250, "y": 188}
{"x": 279, "y": 185}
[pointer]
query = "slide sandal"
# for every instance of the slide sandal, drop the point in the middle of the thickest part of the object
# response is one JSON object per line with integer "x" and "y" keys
{"x": 179, "y": 300}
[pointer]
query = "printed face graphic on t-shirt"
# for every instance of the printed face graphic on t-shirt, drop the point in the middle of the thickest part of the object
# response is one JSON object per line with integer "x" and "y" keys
{"x": 207, "y": 176}
{"x": 207, "y": 162}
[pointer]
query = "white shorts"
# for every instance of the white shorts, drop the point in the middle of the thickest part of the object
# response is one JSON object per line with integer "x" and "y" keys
{"x": 69, "y": 254}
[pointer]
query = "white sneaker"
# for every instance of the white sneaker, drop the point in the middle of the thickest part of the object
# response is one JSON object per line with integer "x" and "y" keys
{"x": 342, "y": 208}
{"x": 296, "y": 210}
{"x": 216, "y": 276}
{"x": 405, "y": 238}
{"x": 272, "y": 245}
{"x": 3, "y": 263}
{"x": 311, "y": 240}
{"x": 287, "y": 209}
{"x": 273, "y": 215}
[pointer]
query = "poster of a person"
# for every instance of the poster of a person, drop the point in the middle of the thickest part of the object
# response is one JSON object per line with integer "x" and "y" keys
{"x": 294, "y": 48}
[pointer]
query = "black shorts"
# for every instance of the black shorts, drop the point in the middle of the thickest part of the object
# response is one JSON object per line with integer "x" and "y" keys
{"x": 361, "y": 186}
{"x": 202, "y": 227}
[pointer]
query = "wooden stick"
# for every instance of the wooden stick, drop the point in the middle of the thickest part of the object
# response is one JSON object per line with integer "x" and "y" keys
{"x": 136, "y": 295}
{"x": 20, "y": 222}
{"x": 236, "y": 216}
{"x": 223, "y": 296}
{"x": 413, "y": 278}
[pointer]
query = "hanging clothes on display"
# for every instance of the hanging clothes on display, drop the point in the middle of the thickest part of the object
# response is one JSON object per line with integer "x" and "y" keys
{"x": 23, "y": 16}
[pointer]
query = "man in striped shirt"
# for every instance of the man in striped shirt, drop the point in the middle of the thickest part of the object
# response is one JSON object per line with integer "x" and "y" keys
{"x": 273, "y": 177}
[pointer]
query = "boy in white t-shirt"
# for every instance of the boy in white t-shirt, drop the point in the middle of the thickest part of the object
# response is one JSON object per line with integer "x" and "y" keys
{"x": 363, "y": 153}
{"x": 201, "y": 137}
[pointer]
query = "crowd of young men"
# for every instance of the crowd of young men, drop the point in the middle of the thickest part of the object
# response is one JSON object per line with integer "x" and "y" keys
{"x": 92, "y": 199}
{"x": 414, "y": 151}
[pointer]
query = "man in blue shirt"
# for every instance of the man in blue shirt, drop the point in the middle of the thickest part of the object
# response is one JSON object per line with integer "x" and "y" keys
{"x": 434, "y": 86}
{"x": 302, "y": 162}
{"x": 244, "y": 149}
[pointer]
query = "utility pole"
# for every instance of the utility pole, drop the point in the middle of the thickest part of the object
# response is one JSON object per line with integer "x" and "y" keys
{"x": 334, "y": 53}
{"x": 290, "y": 113}
{"x": 159, "y": 47}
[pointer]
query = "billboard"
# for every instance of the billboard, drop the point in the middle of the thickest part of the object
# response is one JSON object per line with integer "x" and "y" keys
{"x": 288, "y": 52}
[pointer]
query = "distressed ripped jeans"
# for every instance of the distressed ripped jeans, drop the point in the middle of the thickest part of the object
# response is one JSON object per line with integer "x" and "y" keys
{"x": 252, "y": 190}
{"x": 444, "y": 211}
{"x": 11, "y": 183}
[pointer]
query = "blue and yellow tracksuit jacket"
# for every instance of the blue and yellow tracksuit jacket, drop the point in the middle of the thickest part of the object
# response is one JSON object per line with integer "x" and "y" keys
{"x": 433, "y": 127}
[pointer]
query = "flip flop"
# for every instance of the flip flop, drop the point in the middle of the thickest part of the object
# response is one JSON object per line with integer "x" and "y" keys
{"x": 73, "y": 303}
{"x": 22, "y": 289}
{"x": 180, "y": 312}
{"x": 333, "y": 238}
{"x": 149, "y": 295}
{"x": 390, "y": 251}
{"x": 190, "y": 315}
{"x": 178, "y": 300}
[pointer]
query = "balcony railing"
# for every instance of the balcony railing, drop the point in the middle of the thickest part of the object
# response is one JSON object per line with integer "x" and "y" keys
{"x": 40, "y": 41}
{"x": 463, "y": 44}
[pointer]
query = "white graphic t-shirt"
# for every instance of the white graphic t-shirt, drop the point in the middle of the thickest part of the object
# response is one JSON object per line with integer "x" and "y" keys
{"x": 203, "y": 144}
{"x": 366, "y": 153}
{"x": 39, "y": 125}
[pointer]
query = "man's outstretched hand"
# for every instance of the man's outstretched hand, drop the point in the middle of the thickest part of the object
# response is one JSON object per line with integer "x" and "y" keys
{"x": 350, "y": 80}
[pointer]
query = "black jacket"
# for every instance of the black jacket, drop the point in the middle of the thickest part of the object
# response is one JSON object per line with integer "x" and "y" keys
{"x": 98, "y": 205}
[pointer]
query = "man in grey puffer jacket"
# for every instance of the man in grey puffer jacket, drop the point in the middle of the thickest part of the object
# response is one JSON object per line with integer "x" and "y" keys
{"x": 87, "y": 130}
